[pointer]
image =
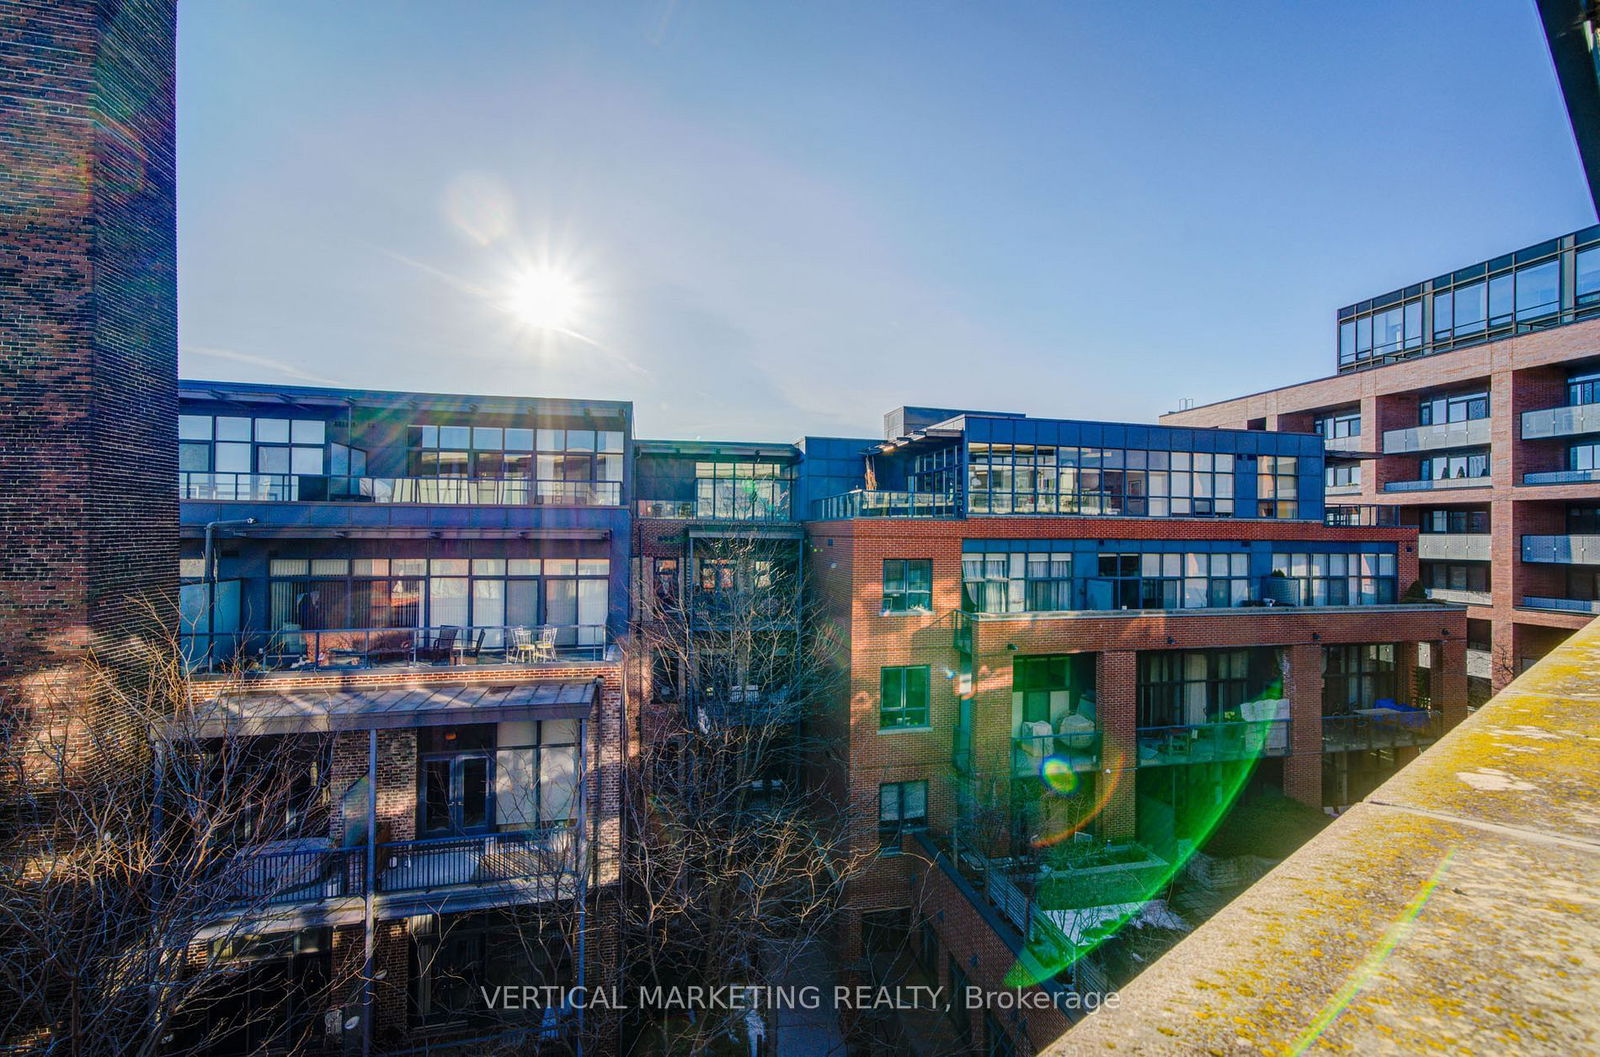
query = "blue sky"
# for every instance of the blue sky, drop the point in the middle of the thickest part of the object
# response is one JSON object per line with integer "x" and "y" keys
{"x": 789, "y": 217}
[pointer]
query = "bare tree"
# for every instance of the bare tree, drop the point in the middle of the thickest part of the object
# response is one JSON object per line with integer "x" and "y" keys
{"x": 137, "y": 861}
{"x": 736, "y": 862}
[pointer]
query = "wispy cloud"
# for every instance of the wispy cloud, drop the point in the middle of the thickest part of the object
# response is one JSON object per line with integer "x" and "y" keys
{"x": 266, "y": 362}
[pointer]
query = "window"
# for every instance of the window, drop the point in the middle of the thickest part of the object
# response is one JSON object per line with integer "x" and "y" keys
{"x": 1588, "y": 275}
{"x": 1277, "y": 486}
{"x": 1193, "y": 580}
{"x": 1339, "y": 579}
{"x": 1357, "y": 677}
{"x": 742, "y": 490}
{"x": 1065, "y": 679}
{"x": 1454, "y": 522}
{"x": 1195, "y": 687}
{"x": 1538, "y": 290}
{"x": 1029, "y": 479}
{"x": 536, "y": 774}
{"x": 1583, "y": 456}
{"x": 664, "y": 576}
{"x": 1056, "y": 581}
{"x": 1458, "y": 407}
{"x": 904, "y": 701}
{"x": 1583, "y": 389}
{"x": 565, "y": 465}
{"x": 1332, "y": 427}
{"x": 908, "y": 585}
{"x": 1583, "y": 520}
{"x": 232, "y": 444}
{"x": 1455, "y": 576}
{"x": 902, "y": 809}
{"x": 1459, "y": 465}
{"x": 1342, "y": 474}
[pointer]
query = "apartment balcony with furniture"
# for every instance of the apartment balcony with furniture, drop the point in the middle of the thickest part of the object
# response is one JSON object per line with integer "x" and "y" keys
{"x": 1214, "y": 742}
{"x": 1072, "y": 744}
{"x": 292, "y": 649}
{"x": 1569, "y": 421}
{"x": 1388, "y": 724}
{"x": 1561, "y": 550}
{"x": 1466, "y": 434}
{"x": 1454, "y": 546}
{"x": 424, "y": 491}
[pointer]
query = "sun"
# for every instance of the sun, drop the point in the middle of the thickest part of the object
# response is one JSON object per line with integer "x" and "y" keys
{"x": 544, "y": 299}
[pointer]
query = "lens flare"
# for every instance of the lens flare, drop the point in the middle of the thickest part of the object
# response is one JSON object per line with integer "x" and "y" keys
{"x": 545, "y": 299}
{"x": 1058, "y": 776}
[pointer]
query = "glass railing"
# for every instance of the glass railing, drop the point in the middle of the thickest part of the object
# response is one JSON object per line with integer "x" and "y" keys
{"x": 1562, "y": 477}
{"x": 293, "y": 649}
{"x": 700, "y": 510}
{"x": 1366, "y": 515}
{"x": 1381, "y": 727}
{"x": 438, "y": 491}
{"x": 1435, "y": 484}
{"x": 864, "y": 503}
{"x": 1213, "y": 742}
{"x": 1562, "y": 605}
{"x": 1075, "y": 751}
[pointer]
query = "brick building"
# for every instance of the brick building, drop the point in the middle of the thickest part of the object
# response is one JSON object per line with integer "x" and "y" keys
{"x": 1072, "y": 649}
{"x": 1467, "y": 407}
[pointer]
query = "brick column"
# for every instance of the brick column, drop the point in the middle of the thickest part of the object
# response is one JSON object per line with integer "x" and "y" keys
{"x": 1116, "y": 701}
{"x": 397, "y": 781}
{"x": 1302, "y": 770}
{"x": 1449, "y": 678}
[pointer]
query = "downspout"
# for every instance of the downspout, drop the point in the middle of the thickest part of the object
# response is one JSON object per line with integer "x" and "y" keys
{"x": 583, "y": 872}
{"x": 209, "y": 556}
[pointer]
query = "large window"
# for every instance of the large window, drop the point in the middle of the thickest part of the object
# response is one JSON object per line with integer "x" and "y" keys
{"x": 488, "y": 593}
{"x": 1455, "y": 465}
{"x": 1194, "y": 687}
{"x": 1583, "y": 389}
{"x": 1454, "y": 522}
{"x": 1585, "y": 456}
{"x": 902, "y": 809}
{"x": 226, "y": 444}
{"x": 1277, "y": 486}
{"x": 1341, "y": 474}
{"x": 1455, "y": 576}
{"x": 744, "y": 491}
{"x": 1357, "y": 676}
{"x": 1343, "y": 424}
{"x": 904, "y": 697}
{"x": 1065, "y": 679}
{"x": 566, "y": 464}
{"x": 1029, "y": 479}
{"x": 1339, "y": 579}
{"x": 1457, "y": 407}
{"x": 1583, "y": 519}
{"x": 908, "y": 585}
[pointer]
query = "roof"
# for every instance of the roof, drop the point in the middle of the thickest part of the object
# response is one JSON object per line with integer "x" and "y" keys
{"x": 307, "y": 711}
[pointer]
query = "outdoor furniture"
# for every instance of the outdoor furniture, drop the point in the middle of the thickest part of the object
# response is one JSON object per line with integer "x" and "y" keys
{"x": 474, "y": 649}
{"x": 532, "y": 649}
{"x": 444, "y": 644}
{"x": 522, "y": 646}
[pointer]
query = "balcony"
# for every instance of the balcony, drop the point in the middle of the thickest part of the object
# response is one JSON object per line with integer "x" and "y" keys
{"x": 1386, "y": 726}
{"x": 1213, "y": 742}
{"x": 864, "y": 503}
{"x": 1362, "y": 515}
{"x": 1342, "y": 489}
{"x": 1571, "y": 421}
{"x": 311, "y": 870}
{"x": 421, "y": 491}
{"x": 1438, "y": 484}
{"x": 1561, "y": 550}
{"x": 1561, "y": 605}
{"x": 1078, "y": 752}
{"x": 1468, "y": 434}
{"x": 365, "y": 648}
{"x": 695, "y": 510}
{"x": 1453, "y": 546}
{"x": 1562, "y": 477}
{"x": 1480, "y": 664}
{"x": 1343, "y": 445}
{"x": 1460, "y": 596}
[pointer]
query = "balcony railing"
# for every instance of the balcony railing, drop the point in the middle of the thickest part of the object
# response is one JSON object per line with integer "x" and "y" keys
{"x": 696, "y": 510}
{"x": 1562, "y": 477}
{"x": 1343, "y": 444}
{"x": 1362, "y": 515}
{"x": 1382, "y": 727}
{"x": 443, "y": 646}
{"x": 310, "y": 871}
{"x": 1437, "y": 484}
{"x": 1213, "y": 742}
{"x": 1562, "y": 605}
{"x": 1571, "y": 421}
{"x": 1432, "y": 438}
{"x": 488, "y": 859}
{"x": 864, "y": 503}
{"x": 1561, "y": 550}
{"x": 1453, "y": 546}
{"x": 1077, "y": 751}
{"x": 1460, "y": 596}
{"x": 425, "y": 491}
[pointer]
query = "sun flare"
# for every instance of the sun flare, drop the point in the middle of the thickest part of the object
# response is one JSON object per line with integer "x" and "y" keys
{"x": 545, "y": 299}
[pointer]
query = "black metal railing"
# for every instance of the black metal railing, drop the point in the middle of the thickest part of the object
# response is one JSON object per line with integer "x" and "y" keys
{"x": 488, "y": 859}
{"x": 295, "y": 649}
{"x": 294, "y": 872}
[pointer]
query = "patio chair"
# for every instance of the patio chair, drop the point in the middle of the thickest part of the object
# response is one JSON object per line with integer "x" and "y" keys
{"x": 545, "y": 648}
{"x": 477, "y": 646}
{"x": 522, "y": 646}
{"x": 444, "y": 644}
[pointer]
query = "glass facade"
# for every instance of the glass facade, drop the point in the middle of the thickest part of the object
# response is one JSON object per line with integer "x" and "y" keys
{"x": 1455, "y": 407}
{"x": 1357, "y": 676}
{"x": 1195, "y": 687}
{"x": 562, "y": 462}
{"x": 1338, "y": 579}
{"x": 228, "y": 444}
{"x": 1042, "y": 479}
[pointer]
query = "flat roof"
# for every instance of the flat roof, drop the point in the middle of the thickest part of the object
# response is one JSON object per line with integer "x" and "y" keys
{"x": 253, "y": 712}
{"x": 327, "y": 396}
